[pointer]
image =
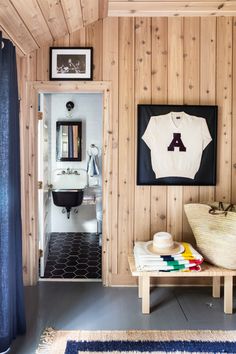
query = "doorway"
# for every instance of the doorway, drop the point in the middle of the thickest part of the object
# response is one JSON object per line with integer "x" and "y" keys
{"x": 70, "y": 186}
{"x": 31, "y": 250}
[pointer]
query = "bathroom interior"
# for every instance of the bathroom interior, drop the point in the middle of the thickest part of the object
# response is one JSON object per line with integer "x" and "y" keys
{"x": 70, "y": 186}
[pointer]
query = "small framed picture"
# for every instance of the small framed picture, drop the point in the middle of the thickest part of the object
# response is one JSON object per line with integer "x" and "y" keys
{"x": 71, "y": 63}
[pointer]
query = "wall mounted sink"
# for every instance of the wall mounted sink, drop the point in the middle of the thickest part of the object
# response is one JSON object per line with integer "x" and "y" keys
{"x": 69, "y": 179}
{"x": 67, "y": 198}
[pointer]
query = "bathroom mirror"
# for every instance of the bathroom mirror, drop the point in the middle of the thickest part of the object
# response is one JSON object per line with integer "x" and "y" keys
{"x": 68, "y": 141}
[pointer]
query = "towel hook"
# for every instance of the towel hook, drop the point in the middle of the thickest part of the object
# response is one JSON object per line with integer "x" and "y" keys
{"x": 93, "y": 150}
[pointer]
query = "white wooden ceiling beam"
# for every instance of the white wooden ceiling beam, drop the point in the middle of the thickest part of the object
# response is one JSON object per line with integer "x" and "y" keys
{"x": 171, "y": 8}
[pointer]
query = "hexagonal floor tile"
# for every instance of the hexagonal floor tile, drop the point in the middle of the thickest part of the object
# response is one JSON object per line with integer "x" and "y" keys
{"x": 74, "y": 255}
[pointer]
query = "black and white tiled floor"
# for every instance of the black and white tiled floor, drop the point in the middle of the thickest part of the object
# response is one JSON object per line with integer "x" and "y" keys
{"x": 74, "y": 256}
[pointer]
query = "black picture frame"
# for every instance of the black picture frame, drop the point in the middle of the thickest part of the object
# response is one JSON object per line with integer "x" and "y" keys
{"x": 206, "y": 175}
{"x": 60, "y": 124}
{"x": 71, "y": 63}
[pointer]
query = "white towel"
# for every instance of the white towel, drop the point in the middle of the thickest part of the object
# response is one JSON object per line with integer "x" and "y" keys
{"x": 145, "y": 261}
{"x": 92, "y": 167}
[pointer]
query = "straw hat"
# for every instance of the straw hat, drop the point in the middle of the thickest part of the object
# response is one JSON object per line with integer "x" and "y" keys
{"x": 163, "y": 244}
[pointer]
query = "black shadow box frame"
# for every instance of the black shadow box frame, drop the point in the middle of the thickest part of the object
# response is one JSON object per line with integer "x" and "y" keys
{"x": 206, "y": 175}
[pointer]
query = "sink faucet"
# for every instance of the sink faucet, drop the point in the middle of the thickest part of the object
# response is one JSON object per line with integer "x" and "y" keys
{"x": 70, "y": 171}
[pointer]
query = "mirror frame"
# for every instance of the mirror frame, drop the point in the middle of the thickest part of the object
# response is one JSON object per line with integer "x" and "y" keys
{"x": 74, "y": 123}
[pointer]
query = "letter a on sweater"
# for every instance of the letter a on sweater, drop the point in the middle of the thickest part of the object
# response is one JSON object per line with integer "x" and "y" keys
{"x": 176, "y": 142}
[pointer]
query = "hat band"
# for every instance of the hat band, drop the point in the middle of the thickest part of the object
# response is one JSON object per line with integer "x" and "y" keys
{"x": 163, "y": 249}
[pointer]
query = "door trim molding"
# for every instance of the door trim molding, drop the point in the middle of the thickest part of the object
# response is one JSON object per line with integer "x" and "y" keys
{"x": 29, "y": 169}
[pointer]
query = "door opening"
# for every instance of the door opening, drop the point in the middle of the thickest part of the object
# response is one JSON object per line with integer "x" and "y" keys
{"x": 70, "y": 167}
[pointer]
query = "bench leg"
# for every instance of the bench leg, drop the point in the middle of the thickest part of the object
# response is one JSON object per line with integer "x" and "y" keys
{"x": 216, "y": 287}
{"x": 228, "y": 294}
{"x": 146, "y": 295}
{"x": 140, "y": 287}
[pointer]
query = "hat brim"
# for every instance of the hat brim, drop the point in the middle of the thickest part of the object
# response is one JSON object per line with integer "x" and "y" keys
{"x": 177, "y": 249}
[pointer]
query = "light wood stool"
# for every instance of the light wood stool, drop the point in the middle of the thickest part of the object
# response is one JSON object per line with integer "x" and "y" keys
{"x": 207, "y": 271}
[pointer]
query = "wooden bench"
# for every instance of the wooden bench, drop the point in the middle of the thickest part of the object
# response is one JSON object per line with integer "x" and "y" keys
{"x": 207, "y": 271}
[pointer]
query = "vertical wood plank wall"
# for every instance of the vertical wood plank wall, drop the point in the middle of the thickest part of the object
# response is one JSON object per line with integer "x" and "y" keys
{"x": 148, "y": 60}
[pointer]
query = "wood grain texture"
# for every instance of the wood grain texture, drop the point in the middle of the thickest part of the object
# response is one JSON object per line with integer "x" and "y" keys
{"x": 32, "y": 109}
{"x": 15, "y": 27}
{"x": 28, "y": 73}
{"x": 77, "y": 38}
{"x": 207, "y": 80}
{"x": 73, "y": 14}
{"x": 203, "y": 65}
{"x": 90, "y": 11}
{"x": 33, "y": 18}
{"x": 94, "y": 38}
{"x": 126, "y": 179}
{"x": 142, "y": 93}
{"x": 171, "y": 8}
{"x": 53, "y": 14}
{"x": 62, "y": 42}
{"x": 107, "y": 183}
{"x": 103, "y": 8}
{"x": 224, "y": 100}
{"x": 191, "y": 96}
{"x": 19, "y": 52}
{"x": 216, "y": 287}
{"x": 29, "y": 163}
{"x": 43, "y": 63}
{"x": 233, "y": 192}
{"x": 175, "y": 96}
{"x": 110, "y": 73}
{"x": 228, "y": 294}
{"x": 159, "y": 96}
{"x": 57, "y": 18}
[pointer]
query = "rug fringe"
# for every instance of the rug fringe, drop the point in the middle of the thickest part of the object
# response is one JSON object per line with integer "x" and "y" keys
{"x": 46, "y": 340}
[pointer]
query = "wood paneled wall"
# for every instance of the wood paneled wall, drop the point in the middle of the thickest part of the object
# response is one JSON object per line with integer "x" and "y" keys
{"x": 150, "y": 60}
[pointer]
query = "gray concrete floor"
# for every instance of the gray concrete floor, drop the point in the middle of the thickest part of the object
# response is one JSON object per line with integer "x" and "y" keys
{"x": 90, "y": 306}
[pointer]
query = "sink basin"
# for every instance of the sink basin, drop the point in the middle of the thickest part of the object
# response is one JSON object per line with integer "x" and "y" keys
{"x": 67, "y": 198}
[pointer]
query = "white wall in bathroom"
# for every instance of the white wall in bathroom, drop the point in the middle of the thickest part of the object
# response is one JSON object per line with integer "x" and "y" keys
{"x": 88, "y": 109}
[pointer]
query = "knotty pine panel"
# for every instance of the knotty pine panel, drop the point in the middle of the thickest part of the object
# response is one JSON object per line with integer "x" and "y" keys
{"x": 191, "y": 96}
{"x": 142, "y": 93}
{"x": 175, "y": 96}
{"x": 156, "y": 60}
{"x": 159, "y": 96}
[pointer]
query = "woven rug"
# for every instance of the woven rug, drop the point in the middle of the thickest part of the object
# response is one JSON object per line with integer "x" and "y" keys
{"x": 136, "y": 341}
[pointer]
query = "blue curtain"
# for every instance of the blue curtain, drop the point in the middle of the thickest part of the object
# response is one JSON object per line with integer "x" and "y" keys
{"x": 12, "y": 317}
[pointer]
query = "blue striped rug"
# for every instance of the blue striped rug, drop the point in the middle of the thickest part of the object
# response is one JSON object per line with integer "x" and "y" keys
{"x": 75, "y": 347}
{"x": 134, "y": 342}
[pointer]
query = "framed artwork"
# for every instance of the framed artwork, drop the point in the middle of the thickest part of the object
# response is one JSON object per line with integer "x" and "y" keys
{"x": 71, "y": 63}
{"x": 176, "y": 145}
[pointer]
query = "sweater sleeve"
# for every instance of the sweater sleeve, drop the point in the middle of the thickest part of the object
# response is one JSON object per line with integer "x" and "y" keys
{"x": 206, "y": 136}
{"x": 148, "y": 136}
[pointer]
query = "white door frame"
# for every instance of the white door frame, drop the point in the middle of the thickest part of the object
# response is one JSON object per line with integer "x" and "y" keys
{"x": 30, "y": 177}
